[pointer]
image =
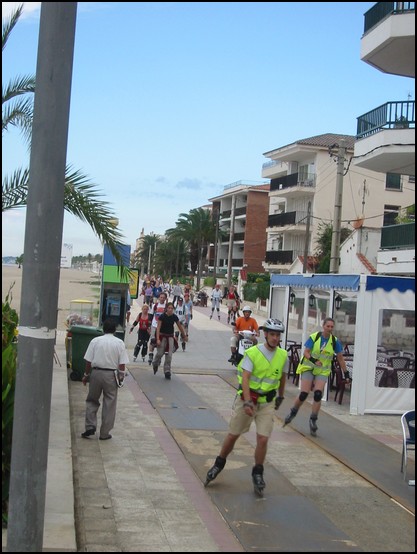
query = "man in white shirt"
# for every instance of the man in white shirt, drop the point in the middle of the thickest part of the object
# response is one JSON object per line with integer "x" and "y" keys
{"x": 106, "y": 359}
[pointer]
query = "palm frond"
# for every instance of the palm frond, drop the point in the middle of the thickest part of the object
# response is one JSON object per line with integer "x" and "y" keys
{"x": 17, "y": 87}
{"x": 9, "y": 24}
{"x": 15, "y": 190}
{"x": 19, "y": 114}
{"x": 82, "y": 198}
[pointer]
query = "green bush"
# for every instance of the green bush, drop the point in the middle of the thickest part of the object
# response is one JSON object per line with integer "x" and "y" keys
{"x": 9, "y": 362}
{"x": 254, "y": 290}
{"x": 209, "y": 282}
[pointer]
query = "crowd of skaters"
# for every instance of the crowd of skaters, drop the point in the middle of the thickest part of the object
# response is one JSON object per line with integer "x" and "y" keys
{"x": 156, "y": 294}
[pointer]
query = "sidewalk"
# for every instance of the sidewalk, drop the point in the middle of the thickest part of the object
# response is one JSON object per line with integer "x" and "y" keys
{"x": 143, "y": 491}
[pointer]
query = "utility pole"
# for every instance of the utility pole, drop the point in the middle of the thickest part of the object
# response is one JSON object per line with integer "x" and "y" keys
{"x": 149, "y": 260}
{"x": 335, "y": 250}
{"x": 40, "y": 278}
{"x": 307, "y": 239}
{"x": 231, "y": 238}
{"x": 216, "y": 240}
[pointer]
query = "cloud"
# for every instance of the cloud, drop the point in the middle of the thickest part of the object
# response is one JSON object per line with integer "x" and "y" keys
{"x": 188, "y": 183}
{"x": 30, "y": 9}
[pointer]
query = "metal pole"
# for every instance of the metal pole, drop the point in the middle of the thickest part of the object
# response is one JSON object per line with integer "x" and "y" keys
{"x": 335, "y": 250}
{"x": 216, "y": 239}
{"x": 40, "y": 278}
{"x": 231, "y": 238}
{"x": 307, "y": 238}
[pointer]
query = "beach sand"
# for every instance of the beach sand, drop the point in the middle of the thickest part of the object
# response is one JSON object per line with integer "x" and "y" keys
{"x": 73, "y": 284}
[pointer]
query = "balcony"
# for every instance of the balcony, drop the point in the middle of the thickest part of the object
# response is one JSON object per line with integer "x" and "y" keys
{"x": 388, "y": 42}
{"x": 397, "y": 254}
{"x": 279, "y": 257}
{"x": 386, "y": 139}
{"x": 398, "y": 236}
{"x": 227, "y": 213}
{"x": 294, "y": 185}
{"x": 296, "y": 220}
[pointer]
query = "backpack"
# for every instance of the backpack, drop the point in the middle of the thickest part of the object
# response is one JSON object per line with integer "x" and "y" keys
{"x": 319, "y": 334}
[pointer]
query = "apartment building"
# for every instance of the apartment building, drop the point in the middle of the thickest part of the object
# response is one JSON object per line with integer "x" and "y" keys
{"x": 303, "y": 174}
{"x": 242, "y": 213}
{"x": 385, "y": 140}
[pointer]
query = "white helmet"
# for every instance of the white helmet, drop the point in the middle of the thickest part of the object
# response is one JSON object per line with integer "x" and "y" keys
{"x": 272, "y": 324}
{"x": 247, "y": 309}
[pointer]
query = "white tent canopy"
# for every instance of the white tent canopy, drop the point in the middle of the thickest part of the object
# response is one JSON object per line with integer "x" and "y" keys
{"x": 380, "y": 299}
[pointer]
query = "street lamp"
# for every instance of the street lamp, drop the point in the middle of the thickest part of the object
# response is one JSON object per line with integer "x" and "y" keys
{"x": 338, "y": 302}
{"x": 311, "y": 300}
{"x": 292, "y": 298}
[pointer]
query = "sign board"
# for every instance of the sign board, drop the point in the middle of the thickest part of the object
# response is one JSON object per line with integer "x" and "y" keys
{"x": 134, "y": 282}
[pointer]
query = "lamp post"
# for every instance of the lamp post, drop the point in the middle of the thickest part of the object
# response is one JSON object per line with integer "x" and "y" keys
{"x": 311, "y": 300}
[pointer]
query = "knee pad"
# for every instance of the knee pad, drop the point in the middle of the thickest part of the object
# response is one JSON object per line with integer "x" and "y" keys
{"x": 303, "y": 396}
{"x": 318, "y": 395}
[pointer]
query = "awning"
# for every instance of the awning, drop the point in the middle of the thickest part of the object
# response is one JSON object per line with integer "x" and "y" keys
{"x": 317, "y": 281}
{"x": 387, "y": 283}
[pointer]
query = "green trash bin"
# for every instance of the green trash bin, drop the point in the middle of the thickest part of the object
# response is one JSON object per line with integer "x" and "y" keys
{"x": 81, "y": 336}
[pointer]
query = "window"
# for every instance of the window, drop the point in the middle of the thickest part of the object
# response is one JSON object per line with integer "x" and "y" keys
{"x": 390, "y": 214}
{"x": 393, "y": 181}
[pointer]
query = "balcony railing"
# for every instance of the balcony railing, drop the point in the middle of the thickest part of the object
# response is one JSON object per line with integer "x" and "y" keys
{"x": 293, "y": 180}
{"x": 392, "y": 115}
{"x": 287, "y": 218}
{"x": 381, "y": 9}
{"x": 279, "y": 256}
{"x": 227, "y": 213}
{"x": 398, "y": 236}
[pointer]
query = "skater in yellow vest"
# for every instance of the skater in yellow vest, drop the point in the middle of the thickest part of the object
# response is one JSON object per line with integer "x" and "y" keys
{"x": 314, "y": 370}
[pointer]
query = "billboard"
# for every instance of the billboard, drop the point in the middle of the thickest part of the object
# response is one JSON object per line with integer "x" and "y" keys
{"x": 66, "y": 255}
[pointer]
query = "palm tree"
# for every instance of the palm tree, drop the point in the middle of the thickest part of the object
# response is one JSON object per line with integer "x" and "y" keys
{"x": 198, "y": 229}
{"x": 145, "y": 256}
{"x": 82, "y": 198}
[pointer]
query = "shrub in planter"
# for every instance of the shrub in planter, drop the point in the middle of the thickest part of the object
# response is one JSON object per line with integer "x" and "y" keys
{"x": 9, "y": 362}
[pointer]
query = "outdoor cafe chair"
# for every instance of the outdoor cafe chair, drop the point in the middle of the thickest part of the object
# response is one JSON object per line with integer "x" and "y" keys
{"x": 341, "y": 382}
{"x": 409, "y": 437}
{"x": 399, "y": 362}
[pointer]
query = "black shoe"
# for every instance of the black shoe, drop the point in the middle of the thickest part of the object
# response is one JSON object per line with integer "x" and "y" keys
{"x": 290, "y": 416}
{"x": 105, "y": 438}
{"x": 183, "y": 346}
{"x": 155, "y": 369}
{"x": 313, "y": 426}
{"x": 232, "y": 358}
{"x": 258, "y": 483}
{"x": 168, "y": 375}
{"x": 215, "y": 470}
{"x": 88, "y": 433}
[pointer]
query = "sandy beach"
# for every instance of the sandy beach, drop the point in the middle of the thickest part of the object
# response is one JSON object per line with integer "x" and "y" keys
{"x": 73, "y": 284}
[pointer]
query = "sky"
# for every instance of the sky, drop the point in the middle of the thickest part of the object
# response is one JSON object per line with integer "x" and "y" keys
{"x": 173, "y": 101}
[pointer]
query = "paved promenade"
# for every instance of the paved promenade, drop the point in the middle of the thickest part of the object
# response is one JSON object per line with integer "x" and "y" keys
{"x": 143, "y": 490}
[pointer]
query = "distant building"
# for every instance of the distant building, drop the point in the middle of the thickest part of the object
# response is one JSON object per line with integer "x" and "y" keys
{"x": 242, "y": 212}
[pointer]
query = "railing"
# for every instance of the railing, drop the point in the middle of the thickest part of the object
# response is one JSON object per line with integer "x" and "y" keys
{"x": 381, "y": 9}
{"x": 392, "y": 115}
{"x": 293, "y": 180}
{"x": 287, "y": 218}
{"x": 244, "y": 184}
{"x": 279, "y": 256}
{"x": 227, "y": 213}
{"x": 398, "y": 236}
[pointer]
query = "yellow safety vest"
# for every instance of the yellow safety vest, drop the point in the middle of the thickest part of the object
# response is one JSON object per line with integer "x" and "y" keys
{"x": 325, "y": 356}
{"x": 265, "y": 376}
